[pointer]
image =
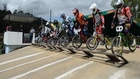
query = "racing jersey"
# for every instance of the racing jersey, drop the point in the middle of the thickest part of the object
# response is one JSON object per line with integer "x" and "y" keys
{"x": 80, "y": 19}
{"x": 123, "y": 15}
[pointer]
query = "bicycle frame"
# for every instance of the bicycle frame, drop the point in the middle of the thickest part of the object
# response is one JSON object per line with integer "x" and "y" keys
{"x": 98, "y": 39}
{"x": 124, "y": 39}
{"x": 107, "y": 40}
{"x": 81, "y": 35}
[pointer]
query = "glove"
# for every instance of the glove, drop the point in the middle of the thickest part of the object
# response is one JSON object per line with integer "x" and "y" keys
{"x": 112, "y": 25}
{"x": 85, "y": 28}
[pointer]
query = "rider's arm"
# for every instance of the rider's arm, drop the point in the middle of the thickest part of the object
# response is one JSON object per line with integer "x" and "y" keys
{"x": 114, "y": 19}
{"x": 86, "y": 22}
{"x": 128, "y": 13}
{"x": 84, "y": 18}
{"x": 103, "y": 20}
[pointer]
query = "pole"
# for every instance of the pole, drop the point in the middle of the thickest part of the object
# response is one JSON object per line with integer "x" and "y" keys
{"x": 50, "y": 15}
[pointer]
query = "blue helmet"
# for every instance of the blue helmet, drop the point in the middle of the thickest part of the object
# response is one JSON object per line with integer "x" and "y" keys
{"x": 62, "y": 15}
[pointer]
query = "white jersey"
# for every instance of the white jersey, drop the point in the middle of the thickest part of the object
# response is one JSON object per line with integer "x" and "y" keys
{"x": 47, "y": 30}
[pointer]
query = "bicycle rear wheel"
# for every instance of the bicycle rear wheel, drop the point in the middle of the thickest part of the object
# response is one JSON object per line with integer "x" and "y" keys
{"x": 117, "y": 46}
{"x": 92, "y": 43}
{"x": 76, "y": 41}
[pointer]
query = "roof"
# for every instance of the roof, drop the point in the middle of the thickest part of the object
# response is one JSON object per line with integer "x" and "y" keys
{"x": 19, "y": 18}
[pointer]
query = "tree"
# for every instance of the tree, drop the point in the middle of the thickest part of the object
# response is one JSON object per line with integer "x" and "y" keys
{"x": 15, "y": 11}
{"x": 134, "y": 6}
{"x": 21, "y": 12}
{"x": 5, "y": 6}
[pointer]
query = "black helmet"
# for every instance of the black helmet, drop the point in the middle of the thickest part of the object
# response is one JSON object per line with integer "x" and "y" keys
{"x": 55, "y": 21}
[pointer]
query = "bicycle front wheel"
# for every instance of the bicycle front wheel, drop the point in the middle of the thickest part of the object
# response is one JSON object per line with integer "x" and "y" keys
{"x": 117, "y": 46}
{"x": 53, "y": 41}
{"x": 92, "y": 43}
{"x": 64, "y": 41}
{"x": 76, "y": 41}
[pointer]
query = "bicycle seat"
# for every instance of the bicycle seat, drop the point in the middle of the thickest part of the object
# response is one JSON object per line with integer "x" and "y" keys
{"x": 119, "y": 28}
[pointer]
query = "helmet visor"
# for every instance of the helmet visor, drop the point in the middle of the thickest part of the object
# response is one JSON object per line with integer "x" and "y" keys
{"x": 94, "y": 10}
{"x": 119, "y": 5}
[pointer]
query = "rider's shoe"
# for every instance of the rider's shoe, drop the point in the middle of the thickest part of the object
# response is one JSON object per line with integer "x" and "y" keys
{"x": 133, "y": 42}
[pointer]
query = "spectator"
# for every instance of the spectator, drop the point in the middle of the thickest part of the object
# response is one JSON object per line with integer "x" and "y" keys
{"x": 9, "y": 28}
{"x": 31, "y": 34}
{"x": 21, "y": 30}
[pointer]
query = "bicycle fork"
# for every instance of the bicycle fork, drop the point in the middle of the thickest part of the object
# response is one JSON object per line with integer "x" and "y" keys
{"x": 118, "y": 42}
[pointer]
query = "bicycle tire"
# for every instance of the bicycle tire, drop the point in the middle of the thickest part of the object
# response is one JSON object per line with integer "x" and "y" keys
{"x": 116, "y": 42}
{"x": 88, "y": 42}
{"x": 75, "y": 40}
{"x": 53, "y": 41}
{"x": 64, "y": 41}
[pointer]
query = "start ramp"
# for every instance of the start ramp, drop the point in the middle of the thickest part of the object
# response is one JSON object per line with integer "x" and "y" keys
{"x": 117, "y": 60}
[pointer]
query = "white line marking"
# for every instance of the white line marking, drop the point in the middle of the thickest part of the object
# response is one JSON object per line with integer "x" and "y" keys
{"x": 5, "y": 62}
{"x": 19, "y": 76}
{"x": 118, "y": 75}
{"x": 15, "y": 54}
{"x": 28, "y": 62}
{"x": 75, "y": 69}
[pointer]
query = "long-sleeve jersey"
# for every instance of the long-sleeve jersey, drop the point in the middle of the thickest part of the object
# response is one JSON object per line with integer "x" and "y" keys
{"x": 123, "y": 15}
{"x": 98, "y": 19}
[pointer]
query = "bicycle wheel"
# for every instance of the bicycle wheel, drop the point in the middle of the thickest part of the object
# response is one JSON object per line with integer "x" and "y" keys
{"x": 92, "y": 43}
{"x": 64, "y": 41}
{"x": 117, "y": 46}
{"x": 53, "y": 41}
{"x": 107, "y": 44}
{"x": 40, "y": 41}
{"x": 48, "y": 42}
{"x": 132, "y": 45}
{"x": 76, "y": 41}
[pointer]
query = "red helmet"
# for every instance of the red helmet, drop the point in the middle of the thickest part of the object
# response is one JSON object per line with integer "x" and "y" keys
{"x": 75, "y": 11}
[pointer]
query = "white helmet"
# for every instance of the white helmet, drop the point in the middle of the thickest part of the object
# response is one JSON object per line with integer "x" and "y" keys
{"x": 93, "y": 6}
{"x": 119, "y": 2}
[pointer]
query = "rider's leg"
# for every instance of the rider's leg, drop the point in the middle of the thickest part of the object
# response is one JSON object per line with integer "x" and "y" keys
{"x": 100, "y": 34}
{"x": 128, "y": 35}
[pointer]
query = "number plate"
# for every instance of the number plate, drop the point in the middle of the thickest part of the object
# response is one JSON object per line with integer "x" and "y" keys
{"x": 119, "y": 28}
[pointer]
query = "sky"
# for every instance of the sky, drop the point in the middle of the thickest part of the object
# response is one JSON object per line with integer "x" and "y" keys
{"x": 41, "y": 8}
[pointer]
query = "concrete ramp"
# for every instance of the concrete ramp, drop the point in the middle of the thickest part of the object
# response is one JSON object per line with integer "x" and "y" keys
{"x": 37, "y": 62}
